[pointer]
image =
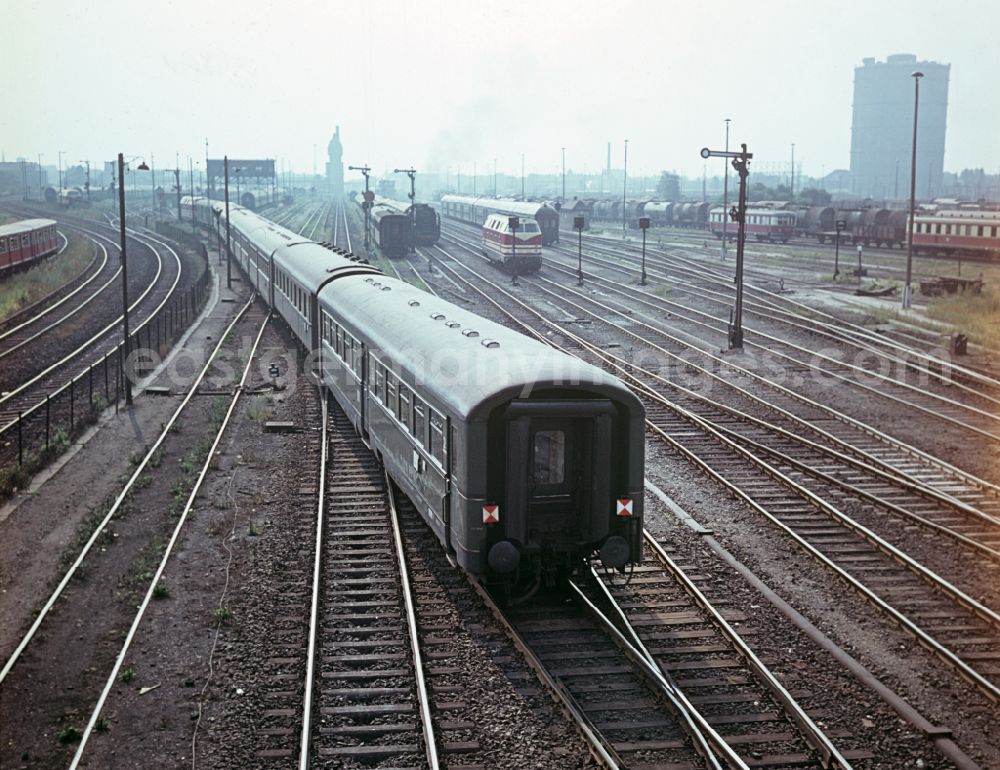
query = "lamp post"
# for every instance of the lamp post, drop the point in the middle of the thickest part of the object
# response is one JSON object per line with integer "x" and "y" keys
{"x": 624, "y": 191}
{"x": 365, "y": 169}
{"x": 412, "y": 173}
{"x": 643, "y": 225}
{"x": 514, "y": 223}
{"x": 494, "y": 177}
{"x": 741, "y": 162}
{"x": 61, "y": 153}
{"x": 725, "y": 194}
{"x": 121, "y": 223}
{"x": 563, "y": 198}
{"x": 40, "y": 196}
{"x": 908, "y": 289}
{"x": 791, "y": 177}
{"x": 578, "y": 226}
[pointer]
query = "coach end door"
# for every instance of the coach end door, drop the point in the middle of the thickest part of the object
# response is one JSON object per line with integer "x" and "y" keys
{"x": 558, "y": 471}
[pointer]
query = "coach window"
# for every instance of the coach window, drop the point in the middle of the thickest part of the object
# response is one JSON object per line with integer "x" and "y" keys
{"x": 436, "y": 446}
{"x": 390, "y": 391}
{"x": 549, "y": 457}
{"x": 980, "y": 232}
{"x": 3, "y": 247}
{"x": 403, "y": 412}
{"x": 419, "y": 421}
{"x": 378, "y": 381}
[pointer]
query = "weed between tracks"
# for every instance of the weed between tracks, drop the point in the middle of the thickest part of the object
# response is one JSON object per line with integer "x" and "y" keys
{"x": 977, "y": 315}
{"x": 17, "y": 477}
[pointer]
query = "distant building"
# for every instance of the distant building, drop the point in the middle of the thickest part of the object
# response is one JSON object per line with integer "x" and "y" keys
{"x": 335, "y": 165}
{"x": 23, "y": 178}
{"x": 882, "y": 129}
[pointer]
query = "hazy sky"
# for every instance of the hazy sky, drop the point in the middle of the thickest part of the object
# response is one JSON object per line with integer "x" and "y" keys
{"x": 436, "y": 82}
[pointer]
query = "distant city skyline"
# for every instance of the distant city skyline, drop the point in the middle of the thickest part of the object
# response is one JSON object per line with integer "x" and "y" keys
{"x": 436, "y": 83}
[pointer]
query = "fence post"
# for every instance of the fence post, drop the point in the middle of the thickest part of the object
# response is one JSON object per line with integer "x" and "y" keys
{"x": 20, "y": 441}
{"x": 90, "y": 387}
{"x": 46, "y": 420}
{"x": 157, "y": 331}
{"x": 118, "y": 381}
{"x": 107, "y": 390}
{"x": 72, "y": 404}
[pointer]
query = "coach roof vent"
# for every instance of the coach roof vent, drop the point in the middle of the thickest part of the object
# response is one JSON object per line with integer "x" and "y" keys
{"x": 470, "y": 332}
{"x": 452, "y": 324}
{"x": 437, "y": 316}
{"x": 414, "y": 303}
{"x": 490, "y": 344}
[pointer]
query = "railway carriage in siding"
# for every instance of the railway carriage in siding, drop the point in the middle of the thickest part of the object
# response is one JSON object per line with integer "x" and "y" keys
{"x": 522, "y": 460}
{"x": 763, "y": 224}
{"x": 475, "y": 210}
{"x": 519, "y": 253}
{"x": 957, "y": 232}
{"x": 425, "y": 221}
{"x": 391, "y": 230}
{"x": 26, "y": 241}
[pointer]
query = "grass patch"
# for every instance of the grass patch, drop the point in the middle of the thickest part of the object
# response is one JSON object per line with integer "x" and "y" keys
{"x": 161, "y": 591}
{"x": 28, "y": 286}
{"x": 222, "y": 615}
{"x": 976, "y": 315}
{"x": 127, "y": 675}
{"x": 69, "y": 734}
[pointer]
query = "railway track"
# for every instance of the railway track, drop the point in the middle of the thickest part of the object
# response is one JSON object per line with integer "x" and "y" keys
{"x": 31, "y": 394}
{"x": 34, "y": 312}
{"x": 700, "y": 282}
{"x": 46, "y": 683}
{"x": 946, "y": 620}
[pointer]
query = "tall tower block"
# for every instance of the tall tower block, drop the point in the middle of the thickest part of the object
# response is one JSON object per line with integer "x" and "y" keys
{"x": 882, "y": 129}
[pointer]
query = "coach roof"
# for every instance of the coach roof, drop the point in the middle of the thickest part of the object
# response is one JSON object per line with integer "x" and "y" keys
{"x": 470, "y": 363}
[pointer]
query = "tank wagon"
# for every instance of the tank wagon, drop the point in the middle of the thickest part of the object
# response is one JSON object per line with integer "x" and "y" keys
{"x": 475, "y": 210}
{"x": 523, "y": 460}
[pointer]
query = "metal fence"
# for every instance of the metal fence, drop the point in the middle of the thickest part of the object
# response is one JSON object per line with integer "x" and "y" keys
{"x": 42, "y": 432}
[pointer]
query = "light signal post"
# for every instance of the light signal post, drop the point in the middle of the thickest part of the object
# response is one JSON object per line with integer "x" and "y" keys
{"x": 369, "y": 196}
{"x": 741, "y": 162}
{"x": 412, "y": 173}
{"x": 644, "y": 226}
{"x": 841, "y": 225}
{"x": 578, "y": 226}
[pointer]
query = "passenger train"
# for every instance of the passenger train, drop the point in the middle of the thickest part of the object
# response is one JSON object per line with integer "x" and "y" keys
{"x": 762, "y": 224}
{"x": 27, "y": 241}
{"x": 523, "y": 460}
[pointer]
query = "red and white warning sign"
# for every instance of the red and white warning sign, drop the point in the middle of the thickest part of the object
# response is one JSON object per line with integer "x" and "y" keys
{"x": 623, "y": 506}
{"x": 491, "y": 514}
